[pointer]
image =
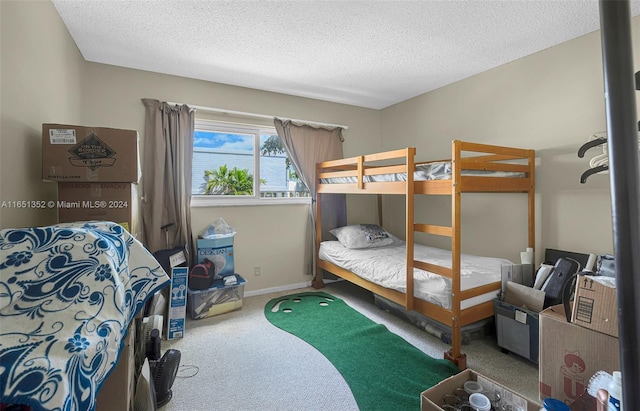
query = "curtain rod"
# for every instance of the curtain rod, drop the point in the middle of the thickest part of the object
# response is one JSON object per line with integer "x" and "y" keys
{"x": 255, "y": 115}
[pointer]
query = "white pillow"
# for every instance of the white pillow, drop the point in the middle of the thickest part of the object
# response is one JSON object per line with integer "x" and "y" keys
{"x": 362, "y": 236}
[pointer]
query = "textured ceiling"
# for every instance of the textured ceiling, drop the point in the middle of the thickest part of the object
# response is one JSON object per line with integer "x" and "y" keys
{"x": 364, "y": 53}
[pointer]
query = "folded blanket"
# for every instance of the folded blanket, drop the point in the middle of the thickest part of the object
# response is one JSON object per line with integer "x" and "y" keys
{"x": 67, "y": 295}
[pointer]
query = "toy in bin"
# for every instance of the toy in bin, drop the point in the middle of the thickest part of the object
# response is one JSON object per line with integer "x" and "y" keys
{"x": 203, "y": 275}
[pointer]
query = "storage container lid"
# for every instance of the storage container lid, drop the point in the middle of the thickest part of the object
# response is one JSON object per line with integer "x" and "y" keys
{"x": 553, "y": 404}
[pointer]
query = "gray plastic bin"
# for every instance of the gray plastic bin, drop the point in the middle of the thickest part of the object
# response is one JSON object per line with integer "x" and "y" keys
{"x": 517, "y": 330}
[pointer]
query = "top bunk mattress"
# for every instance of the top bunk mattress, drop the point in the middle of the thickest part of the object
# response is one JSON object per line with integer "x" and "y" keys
{"x": 440, "y": 170}
{"x": 386, "y": 266}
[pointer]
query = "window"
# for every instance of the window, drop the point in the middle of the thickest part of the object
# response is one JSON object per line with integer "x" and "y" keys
{"x": 239, "y": 163}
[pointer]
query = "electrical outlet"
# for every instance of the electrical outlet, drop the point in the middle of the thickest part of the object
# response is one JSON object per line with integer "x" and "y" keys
{"x": 256, "y": 271}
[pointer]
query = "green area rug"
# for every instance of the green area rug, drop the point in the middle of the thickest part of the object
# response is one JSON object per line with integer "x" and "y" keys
{"x": 382, "y": 369}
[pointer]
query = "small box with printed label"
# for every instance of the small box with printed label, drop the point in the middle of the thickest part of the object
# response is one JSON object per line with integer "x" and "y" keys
{"x": 220, "y": 252}
{"x": 177, "y": 302}
{"x": 595, "y": 304}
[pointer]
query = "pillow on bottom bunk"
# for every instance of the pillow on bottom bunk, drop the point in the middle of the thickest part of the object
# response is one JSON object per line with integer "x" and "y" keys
{"x": 362, "y": 236}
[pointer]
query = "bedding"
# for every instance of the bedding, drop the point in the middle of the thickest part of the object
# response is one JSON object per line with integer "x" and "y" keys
{"x": 440, "y": 170}
{"x": 386, "y": 266}
{"x": 362, "y": 236}
{"x": 67, "y": 295}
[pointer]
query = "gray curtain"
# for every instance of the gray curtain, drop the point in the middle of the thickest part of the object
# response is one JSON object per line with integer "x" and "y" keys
{"x": 166, "y": 175}
{"x": 307, "y": 145}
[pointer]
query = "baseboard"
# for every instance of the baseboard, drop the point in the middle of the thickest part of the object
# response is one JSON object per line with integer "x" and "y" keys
{"x": 285, "y": 288}
{"x": 277, "y": 289}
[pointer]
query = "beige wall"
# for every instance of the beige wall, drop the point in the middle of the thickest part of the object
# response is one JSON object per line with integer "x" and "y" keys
{"x": 270, "y": 237}
{"x": 41, "y": 79}
{"x": 44, "y": 79}
{"x": 552, "y": 102}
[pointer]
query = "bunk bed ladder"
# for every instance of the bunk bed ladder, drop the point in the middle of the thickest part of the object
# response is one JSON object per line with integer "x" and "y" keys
{"x": 317, "y": 281}
{"x": 453, "y": 232}
{"x": 409, "y": 230}
{"x": 455, "y": 355}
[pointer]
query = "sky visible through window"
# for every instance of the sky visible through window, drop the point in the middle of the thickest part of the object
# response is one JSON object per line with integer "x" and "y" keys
{"x": 225, "y": 141}
{"x": 215, "y": 147}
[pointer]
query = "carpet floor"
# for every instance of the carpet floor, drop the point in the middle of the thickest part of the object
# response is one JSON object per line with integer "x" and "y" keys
{"x": 240, "y": 361}
{"x": 383, "y": 371}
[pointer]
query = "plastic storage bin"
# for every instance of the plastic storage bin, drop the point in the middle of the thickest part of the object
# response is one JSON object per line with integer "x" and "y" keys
{"x": 471, "y": 332}
{"x": 517, "y": 330}
{"x": 216, "y": 300}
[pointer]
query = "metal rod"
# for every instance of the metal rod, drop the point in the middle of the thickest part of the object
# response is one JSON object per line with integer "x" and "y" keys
{"x": 615, "y": 23}
{"x": 256, "y": 115}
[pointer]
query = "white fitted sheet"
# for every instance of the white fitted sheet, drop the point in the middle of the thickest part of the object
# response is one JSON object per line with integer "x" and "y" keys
{"x": 386, "y": 266}
{"x": 440, "y": 170}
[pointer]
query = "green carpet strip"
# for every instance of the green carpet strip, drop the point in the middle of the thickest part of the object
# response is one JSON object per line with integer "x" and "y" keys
{"x": 382, "y": 369}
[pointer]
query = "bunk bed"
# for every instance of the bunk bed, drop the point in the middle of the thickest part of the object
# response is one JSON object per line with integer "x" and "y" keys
{"x": 473, "y": 168}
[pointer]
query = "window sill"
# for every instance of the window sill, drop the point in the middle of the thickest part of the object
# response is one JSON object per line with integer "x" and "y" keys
{"x": 209, "y": 201}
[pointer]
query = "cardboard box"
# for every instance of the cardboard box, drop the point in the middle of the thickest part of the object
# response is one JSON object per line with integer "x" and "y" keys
{"x": 220, "y": 252}
{"x": 432, "y": 399}
{"x": 97, "y": 154}
{"x": 177, "y": 303}
{"x": 216, "y": 300}
{"x": 595, "y": 304}
{"x": 525, "y": 297}
{"x": 117, "y": 202}
{"x": 570, "y": 355}
{"x": 117, "y": 392}
{"x": 517, "y": 273}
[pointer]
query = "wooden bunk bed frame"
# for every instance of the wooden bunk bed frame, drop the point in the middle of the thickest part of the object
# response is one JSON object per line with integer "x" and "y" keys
{"x": 465, "y": 156}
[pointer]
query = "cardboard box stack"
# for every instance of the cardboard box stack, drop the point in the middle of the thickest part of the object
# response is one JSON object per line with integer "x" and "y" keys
{"x": 568, "y": 347}
{"x": 571, "y": 354}
{"x": 96, "y": 169}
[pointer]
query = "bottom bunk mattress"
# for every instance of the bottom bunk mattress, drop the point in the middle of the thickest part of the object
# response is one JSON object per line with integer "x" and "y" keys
{"x": 386, "y": 266}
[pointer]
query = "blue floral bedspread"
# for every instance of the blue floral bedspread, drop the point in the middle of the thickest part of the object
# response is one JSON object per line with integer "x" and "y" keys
{"x": 67, "y": 295}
